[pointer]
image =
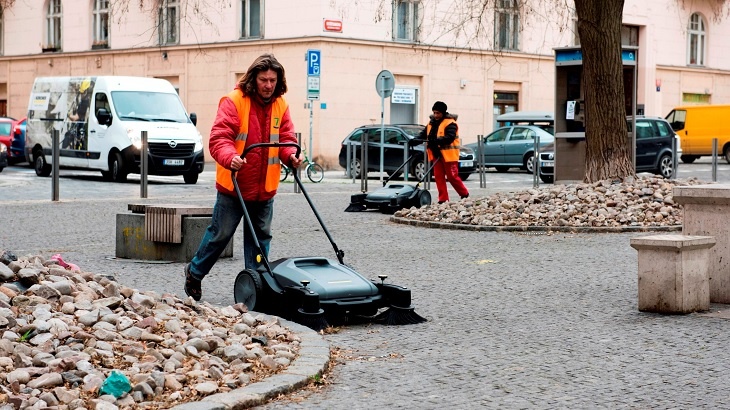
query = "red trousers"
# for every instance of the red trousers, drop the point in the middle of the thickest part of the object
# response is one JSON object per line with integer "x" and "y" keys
{"x": 448, "y": 171}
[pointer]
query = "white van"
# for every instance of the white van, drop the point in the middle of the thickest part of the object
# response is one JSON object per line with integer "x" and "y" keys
{"x": 100, "y": 122}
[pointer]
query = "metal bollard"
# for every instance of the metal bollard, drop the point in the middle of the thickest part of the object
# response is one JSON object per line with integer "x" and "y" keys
{"x": 364, "y": 163}
{"x": 299, "y": 169}
{"x": 406, "y": 154}
{"x": 714, "y": 160}
{"x": 56, "y": 154}
{"x": 674, "y": 158}
{"x": 143, "y": 167}
{"x": 348, "y": 160}
{"x": 535, "y": 161}
{"x": 480, "y": 162}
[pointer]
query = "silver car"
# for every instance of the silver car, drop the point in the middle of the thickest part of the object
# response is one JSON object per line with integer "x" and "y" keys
{"x": 512, "y": 147}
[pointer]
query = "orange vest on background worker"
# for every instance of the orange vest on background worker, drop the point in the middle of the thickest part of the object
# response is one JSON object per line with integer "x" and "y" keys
{"x": 243, "y": 106}
{"x": 449, "y": 153}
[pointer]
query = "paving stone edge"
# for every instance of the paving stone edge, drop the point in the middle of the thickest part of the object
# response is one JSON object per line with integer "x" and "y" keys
{"x": 569, "y": 229}
{"x": 313, "y": 359}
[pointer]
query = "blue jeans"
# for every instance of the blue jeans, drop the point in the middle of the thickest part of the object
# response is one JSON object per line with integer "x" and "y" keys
{"x": 227, "y": 214}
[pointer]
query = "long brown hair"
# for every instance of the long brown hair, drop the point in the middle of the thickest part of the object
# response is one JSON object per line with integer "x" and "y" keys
{"x": 265, "y": 62}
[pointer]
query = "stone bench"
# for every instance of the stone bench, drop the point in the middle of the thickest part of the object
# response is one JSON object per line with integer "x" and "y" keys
{"x": 705, "y": 212}
{"x": 169, "y": 232}
{"x": 673, "y": 273}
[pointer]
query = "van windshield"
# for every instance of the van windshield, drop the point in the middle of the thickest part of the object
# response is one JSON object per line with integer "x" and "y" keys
{"x": 148, "y": 106}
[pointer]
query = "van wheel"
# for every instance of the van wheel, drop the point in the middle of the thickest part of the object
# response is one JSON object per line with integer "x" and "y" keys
{"x": 727, "y": 153}
{"x": 190, "y": 177}
{"x": 116, "y": 168}
{"x": 688, "y": 159}
{"x": 42, "y": 168}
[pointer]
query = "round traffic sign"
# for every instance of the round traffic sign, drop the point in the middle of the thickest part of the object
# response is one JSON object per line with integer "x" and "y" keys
{"x": 385, "y": 83}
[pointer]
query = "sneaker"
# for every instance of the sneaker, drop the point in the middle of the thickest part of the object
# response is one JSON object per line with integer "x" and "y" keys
{"x": 465, "y": 196}
{"x": 192, "y": 285}
{"x": 442, "y": 202}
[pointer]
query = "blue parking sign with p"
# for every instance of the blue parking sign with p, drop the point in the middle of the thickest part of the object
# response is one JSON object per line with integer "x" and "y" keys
{"x": 313, "y": 62}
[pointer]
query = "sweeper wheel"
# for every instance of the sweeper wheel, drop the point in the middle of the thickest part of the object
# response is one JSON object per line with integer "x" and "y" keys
{"x": 247, "y": 288}
{"x": 424, "y": 198}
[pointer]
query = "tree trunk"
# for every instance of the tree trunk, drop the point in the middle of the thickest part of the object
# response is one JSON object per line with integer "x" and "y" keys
{"x": 608, "y": 150}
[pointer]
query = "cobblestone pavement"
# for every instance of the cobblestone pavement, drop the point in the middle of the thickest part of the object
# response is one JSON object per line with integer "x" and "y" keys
{"x": 516, "y": 320}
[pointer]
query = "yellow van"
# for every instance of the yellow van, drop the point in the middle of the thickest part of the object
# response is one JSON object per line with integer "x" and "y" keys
{"x": 697, "y": 125}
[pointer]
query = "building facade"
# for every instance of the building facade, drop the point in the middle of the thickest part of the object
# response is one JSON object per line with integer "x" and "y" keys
{"x": 499, "y": 61}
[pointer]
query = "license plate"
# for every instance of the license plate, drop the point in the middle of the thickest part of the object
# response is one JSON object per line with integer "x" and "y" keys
{"x": 173, "y": 162}
{"x": 463, "y": 164}
{"x": 547, "y": 163}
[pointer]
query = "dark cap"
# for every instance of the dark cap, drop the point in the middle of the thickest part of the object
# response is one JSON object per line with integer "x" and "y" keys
{"x": 439, "y": 106}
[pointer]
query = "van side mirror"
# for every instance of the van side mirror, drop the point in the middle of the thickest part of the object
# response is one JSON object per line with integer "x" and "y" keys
{"x": 194, "y": 118}
{"x": 104, "y": 116}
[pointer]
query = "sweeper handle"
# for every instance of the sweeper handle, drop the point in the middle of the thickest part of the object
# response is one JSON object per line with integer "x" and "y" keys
{"x": 340, "y": 254}
{"x": 249, "y": 224}
{"x": 414, "y": 141}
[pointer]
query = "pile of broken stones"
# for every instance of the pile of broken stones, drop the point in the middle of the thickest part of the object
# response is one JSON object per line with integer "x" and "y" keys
{"x": 633, "y": 202}
{"x": 64, "y": 332}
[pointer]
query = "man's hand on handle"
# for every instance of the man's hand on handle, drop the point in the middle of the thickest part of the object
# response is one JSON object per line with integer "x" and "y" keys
{"x": 237, "y": 162}
{"x": 295, "y": 161}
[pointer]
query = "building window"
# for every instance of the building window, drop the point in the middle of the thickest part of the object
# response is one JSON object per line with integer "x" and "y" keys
{"x": 168, "y": 25}
{"x": 629, "y": 35}
{"x": 696, "y": 40}
{"x": 507, "y": 25}
{"x": 53, "y": 26}
{"x": 101, "y": 24}
{"x": 251, "y": 18}
{"x": 405, "y": 20}
{"x": 696, "y": 98}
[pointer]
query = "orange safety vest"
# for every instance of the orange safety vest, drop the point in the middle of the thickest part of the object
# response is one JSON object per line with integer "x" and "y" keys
{"x": 450, "y": 153}
{"x": 243, "y": 106}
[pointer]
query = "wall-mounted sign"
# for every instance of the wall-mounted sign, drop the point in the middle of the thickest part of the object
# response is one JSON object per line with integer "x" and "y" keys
{"x": 403, "y": 96}
{"x": 333, "y": 25}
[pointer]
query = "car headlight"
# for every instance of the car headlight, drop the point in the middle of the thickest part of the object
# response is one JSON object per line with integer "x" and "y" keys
{"x": 465, "y": 152}
{"x": 3, "y": 148}
{"x": 135, "y": 137}
{"x": 198, "y": 143}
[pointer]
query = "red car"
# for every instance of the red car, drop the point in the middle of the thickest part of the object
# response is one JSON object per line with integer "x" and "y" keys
{"x": 6, "y": 134}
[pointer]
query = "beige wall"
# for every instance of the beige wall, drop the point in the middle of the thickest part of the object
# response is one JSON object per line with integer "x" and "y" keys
{"x": 210, "y": 58}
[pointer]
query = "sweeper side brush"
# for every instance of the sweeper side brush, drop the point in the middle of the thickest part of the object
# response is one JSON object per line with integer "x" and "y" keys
{"x": 318, "y": 291}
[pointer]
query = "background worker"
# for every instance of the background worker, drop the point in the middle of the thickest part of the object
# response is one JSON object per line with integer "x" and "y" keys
{"x": 442, "y": 143}
{"x": 254, "y": 112}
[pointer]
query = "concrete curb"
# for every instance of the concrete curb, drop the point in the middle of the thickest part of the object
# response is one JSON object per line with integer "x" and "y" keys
{"x": 569, "y": 229}
{"x": 313, "y": 359}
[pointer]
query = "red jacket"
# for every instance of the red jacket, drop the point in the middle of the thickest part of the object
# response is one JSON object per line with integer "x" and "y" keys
{"x": 252, "y": 175}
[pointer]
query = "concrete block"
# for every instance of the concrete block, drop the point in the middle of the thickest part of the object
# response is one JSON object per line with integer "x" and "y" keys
{"x": 673, "y": 273}
{"x": 705, "y": 212}
{"x": 131, "y": 242}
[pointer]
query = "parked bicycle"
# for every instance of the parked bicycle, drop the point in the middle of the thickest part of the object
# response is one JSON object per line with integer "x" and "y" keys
{"x": 314, "y": 171}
